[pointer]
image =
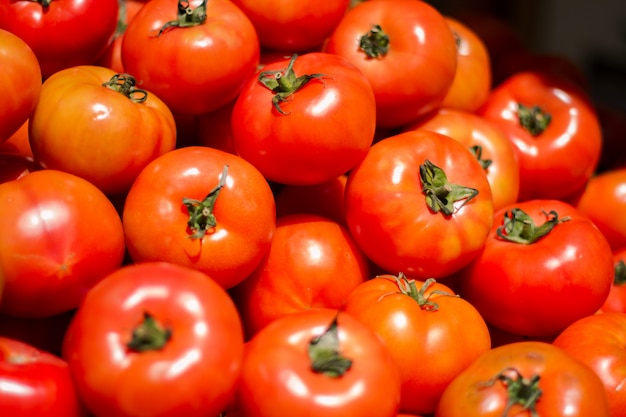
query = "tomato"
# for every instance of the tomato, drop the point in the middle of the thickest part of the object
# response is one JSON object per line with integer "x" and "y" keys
{"x": 318, "y": 362}
{"x": 525, "y": 379}
{"x": 124, "y": 124}
{"x": 543, "y": 266}
{"x": 61, "y": 33}
{"x": 35, "y": 383}
{"x": 616, "y": 301}
{"x": 487, "y": 141}
{"x": 20, "y": 85}
{"x": 60, "y": 236}
{"x": 603, "y": 200}
{"x": 598, "y": 341}
{"x": 472, "y": 79}
{"x": 554, "y": 128}
{"x": 293, "y": 26}
{"x": 312, "y": 262}
{"x": 407, "y": 52}
{"x": 155, "y": 339}
{"x": 202, "y": 208}
{"x": 305, "y": 120}
{"x": 420, "y": 203}
{"x": 195, "y": 56}
{"x": 13, "y": 167}
{"x": 431, "y": 333}
{"x": 18, "y": 143}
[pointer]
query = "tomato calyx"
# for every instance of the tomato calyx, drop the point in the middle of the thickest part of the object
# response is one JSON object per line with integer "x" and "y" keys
{"x": 519, "y": 227}
{"x": 149, "y": 335}
{"x": 620, "y": 273}
{"x": 477, "y": 150}
{"x": 323, "y": 351}
{"x": 408, "y": 287}
{"x": 201, "y": 217}
{"x": 125, "y": 84}
{"x": 441, "y": 194}
{"x": 533, "y": 119}
{"x": 374, "y": 43}
{"x": 187, "y": 17}
{"x": 521, "y": 391}
{"x": 44, "y": 3}
{"x": 284, "y": 82}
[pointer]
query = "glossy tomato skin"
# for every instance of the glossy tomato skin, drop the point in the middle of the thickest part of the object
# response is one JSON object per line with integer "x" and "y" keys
{"x": 312, "y": 262}
{"x": 277, "y": 377}
{"x": 412, "y": 78}
{"x": 193, "y": 69}
{"x": 63, "y": 34}
{"x": 557, "y": 161}
{"x": 21, "y": 84}
{"x": 35, "y": 383}
{"x": 569, "y": 387}
{"x": 119, "y": 128}
{"x": 156, "y": 219}
{"x": 388, "y": 214}
{"x": 537, "y": 289}
{"x": 192, "y": 373}
{"x": 326, "y": 126}
{"x": 431, "y": 340}
{"x": 473, "y": 130}
{"x": 60, "y": 236}
{"x": 598, "y": 340}
{"x": 616, "y": 301}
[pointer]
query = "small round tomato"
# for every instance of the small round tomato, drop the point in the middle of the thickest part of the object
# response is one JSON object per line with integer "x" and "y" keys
{"x": 318, "y": 362}
{"x": 616, "y": 301}
{"x": 525, "y": 379}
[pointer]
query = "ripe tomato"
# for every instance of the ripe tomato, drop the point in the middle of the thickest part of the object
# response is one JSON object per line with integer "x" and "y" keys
{"x": 202, "y": 208}
{"x": 312, "y": 262}
{"x": 525, "y": 379}
{"x": 598, "y": 341}
{"x": 472, "y": 79}
{"x": 491, "y": 146}
{"x": 555, "y": 131}
{"x": 155, "y": 339}
{"x": 407, "y": 52}
{"x": 195, "y": 56}
{"x": 616, "y": 301}
{"x": 35, "y": 383}
{"x": 20, "y": 84}
{"x": 62, "y": 33}
{"x": 126, "y": 127}
{"x": 293, "y": 26}
{"x": 312, "y": 126}
{"x": 543, "y": 266}
{"x": 431, "y": 334}
{"x": 318, "y": 363}
{"x": 420, "y": 203}
{"x": 60, "y": 236}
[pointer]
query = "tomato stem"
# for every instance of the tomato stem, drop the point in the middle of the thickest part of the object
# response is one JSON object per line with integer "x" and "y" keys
{"x": 44, "y": 3}
{"x": 408, "y": 287}
{"x": 187, "y": 16}
{"x": 519, "y": 227}
{"x": 533, "y": 119}
{"x": 441, "y": 194}
{"x": 324, "y": 353}
{"x": 125, "y": 84}
{"x": 374, "y": 43}
{"x": 201, "y": 216}
{"x": 521, "y": 391}
{"x": 477, "y": 150}
{"x": 149, "y": 335}
{"x": 620, "y": 273}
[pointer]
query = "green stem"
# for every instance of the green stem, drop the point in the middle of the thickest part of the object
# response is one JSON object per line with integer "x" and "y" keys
{"x": 533, "y": 119}
{"x": 374, "y": 43}
{"x": 520, "y": 391}
{"x": 409, "y": 287}
{"x": 186, "y": 17}
{"x": 44, "y": 3}
{"x": 201, "y": 216}
{"x": 620, "y": 273}
{"x": 125, "y": 84}
{"x": 149, "y": 335}
{"x": 519, "y": 227}
{"x": 441, "y": 194}
{"x": 477, "y": 150}
{"x": 325, "y": 355}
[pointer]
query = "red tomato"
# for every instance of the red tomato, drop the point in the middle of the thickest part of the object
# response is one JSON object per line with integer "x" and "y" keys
{"x": 603, "y": 200}
{"x": 62, "y": 33}
{"x": 420, "y": 203}
{"x": 543, "y": 266}
{"x": 310, "y": 127}
{"x": 431, "y": 334}
{"x": 472, "y": 79}
{"x": 155, "y": 339}
{"x": 202, "y": 208}
{"x": 491, "y": 146}
{"x": 407, "y": 52}
{"x": 318, "y": 363}
{"x": 20, "y": 84}
{"x": 555, "y": 131}
{"x": 291, "y": 26}
{"x": 195, "y": 56}
{"x": 13, "y": 167}
{"x": 60, "y": 236}
{"x": 35, "y": 383}
{"x": 313, "y": 262}
{"x": 127, "y": 127}
{"x": 598, "y": 341}
{"x": 525, "y": 379}
{"x": 616, "y": 301}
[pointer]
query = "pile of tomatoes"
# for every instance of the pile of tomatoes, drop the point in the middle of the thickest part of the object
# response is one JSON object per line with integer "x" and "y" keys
{"x": 339, "y": 208}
